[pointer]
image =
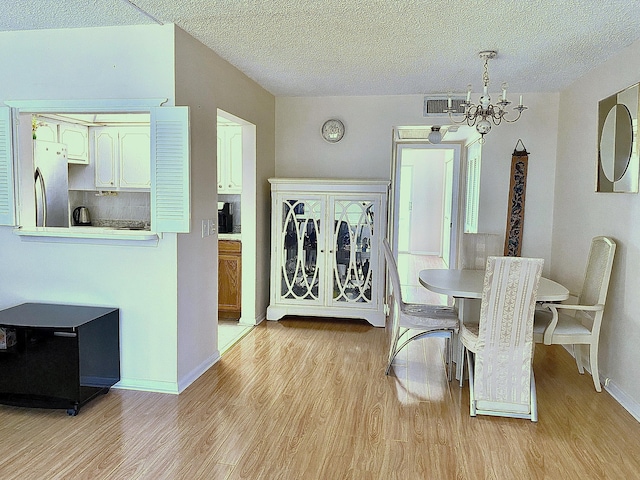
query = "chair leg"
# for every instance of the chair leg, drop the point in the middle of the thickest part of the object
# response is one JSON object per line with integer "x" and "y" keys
{"x": 534, "y": 399}
{"x": 460, "y": 369}
{"x": 593, "y": 362}
{"x": 577, "y": 353}
{"x": 448, "y": 357}
{"x": 472, "y": 398}
{"x": 393, "y": 344}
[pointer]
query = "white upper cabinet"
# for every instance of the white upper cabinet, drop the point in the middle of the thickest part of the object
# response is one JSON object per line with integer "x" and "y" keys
{"x": 106, "y": 156}
{"x": 122, "y": 158}
{"x": 229, "y": 159}
{"x": 46, "y": 130}
{"x": 76, "y": 138}
{"x": 135, "y": 155}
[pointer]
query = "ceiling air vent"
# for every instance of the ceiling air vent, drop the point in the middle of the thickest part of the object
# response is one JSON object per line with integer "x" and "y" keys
{"x": 435, "y": 106}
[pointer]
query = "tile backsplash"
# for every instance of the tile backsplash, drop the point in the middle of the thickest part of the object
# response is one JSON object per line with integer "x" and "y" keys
{"x": 107, "y": 207}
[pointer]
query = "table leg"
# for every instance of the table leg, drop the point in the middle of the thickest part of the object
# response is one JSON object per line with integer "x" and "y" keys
{"x": 468, "y": 312}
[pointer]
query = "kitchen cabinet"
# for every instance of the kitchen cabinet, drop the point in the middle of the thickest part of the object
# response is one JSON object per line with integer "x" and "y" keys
{"x": 46, "y": 130}
{"x": 64, "y": 355}
{"x": 74, "y": 136}
{"x": 326, "y": 257}
{"x": 229, "y": 159}
{"x": 229, "y": 278}
{"x": 122, "y": 158}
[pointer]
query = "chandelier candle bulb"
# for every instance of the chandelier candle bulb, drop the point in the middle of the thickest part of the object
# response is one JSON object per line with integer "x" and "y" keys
{"x": 520, "y": 101}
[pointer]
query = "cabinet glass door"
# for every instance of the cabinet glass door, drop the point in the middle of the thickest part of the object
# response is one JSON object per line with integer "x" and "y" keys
{"x": 300, "y": 272}
{"x": 352, "y": 244}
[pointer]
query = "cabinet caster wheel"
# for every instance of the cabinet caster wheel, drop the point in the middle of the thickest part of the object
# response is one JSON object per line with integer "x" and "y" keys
{"x": 72, "y": 412}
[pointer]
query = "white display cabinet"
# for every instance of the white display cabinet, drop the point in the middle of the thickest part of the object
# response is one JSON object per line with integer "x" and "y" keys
{"x": 326, "y": 258}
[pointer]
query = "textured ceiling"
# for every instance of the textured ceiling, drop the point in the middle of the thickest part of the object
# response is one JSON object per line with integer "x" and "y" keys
{"x": 374, "y": 47}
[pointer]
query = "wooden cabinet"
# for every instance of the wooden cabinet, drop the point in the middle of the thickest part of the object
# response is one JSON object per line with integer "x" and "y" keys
{"x": 229, "y": 159}
{"x": 229, "y": 277}
{"x": 326, "y": 257}
{"x": 122, "y": 158}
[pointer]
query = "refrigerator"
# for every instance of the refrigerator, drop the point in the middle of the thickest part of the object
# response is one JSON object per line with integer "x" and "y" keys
{"x": 51, "y": 183}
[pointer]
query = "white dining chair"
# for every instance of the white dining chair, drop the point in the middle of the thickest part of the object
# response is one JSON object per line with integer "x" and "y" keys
{"x": 477, "y": 247}
{"x": 411, "y": 321}
{"x": 579, "y": 324}
{"x": 500, "y": 347}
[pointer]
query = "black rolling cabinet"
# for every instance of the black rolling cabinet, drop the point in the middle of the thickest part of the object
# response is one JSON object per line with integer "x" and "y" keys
{"x": 63, "y": 356}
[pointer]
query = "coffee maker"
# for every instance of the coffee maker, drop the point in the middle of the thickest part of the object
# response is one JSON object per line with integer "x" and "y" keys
{"x": 225, "y": 217}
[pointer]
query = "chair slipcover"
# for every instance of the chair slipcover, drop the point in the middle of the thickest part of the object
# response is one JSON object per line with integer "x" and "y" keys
{"x": 500, "y": 347}
{"x": 476, "y": 247}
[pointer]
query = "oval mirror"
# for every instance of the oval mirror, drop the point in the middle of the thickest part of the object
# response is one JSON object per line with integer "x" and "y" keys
{"x": 616, "y": 142}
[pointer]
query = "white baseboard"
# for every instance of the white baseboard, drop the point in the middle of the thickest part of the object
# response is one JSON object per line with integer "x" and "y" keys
{"x": 628, "y": 403}
{"x": 147, "y": 386}
{"x": 252, "y": 322}
{"x": 193, "y": 375}
{"x": 620, "y": 396}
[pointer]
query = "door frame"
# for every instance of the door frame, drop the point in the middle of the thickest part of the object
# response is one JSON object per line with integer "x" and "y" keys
{"x": 248, "y": 301}
{"x": 456, "y": 216}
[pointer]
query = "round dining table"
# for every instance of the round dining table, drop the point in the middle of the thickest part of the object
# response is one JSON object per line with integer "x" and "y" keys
{"x": 465, "y": 286}
{"x": 468, "y": 284}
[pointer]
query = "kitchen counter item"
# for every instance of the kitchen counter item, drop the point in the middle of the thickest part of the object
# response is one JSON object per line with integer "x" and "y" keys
{"x": 81, "y": 216}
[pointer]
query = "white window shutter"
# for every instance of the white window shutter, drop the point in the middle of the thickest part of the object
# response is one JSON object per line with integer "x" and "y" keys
{"x": 170, "y": 188}
{"x": 6, "y": 169}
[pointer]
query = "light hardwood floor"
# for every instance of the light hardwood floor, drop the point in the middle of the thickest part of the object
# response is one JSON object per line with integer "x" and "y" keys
{"x": 308, "y": 399}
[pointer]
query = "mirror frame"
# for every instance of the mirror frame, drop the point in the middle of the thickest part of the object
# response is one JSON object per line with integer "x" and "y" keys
{"x": 628, "y": 181}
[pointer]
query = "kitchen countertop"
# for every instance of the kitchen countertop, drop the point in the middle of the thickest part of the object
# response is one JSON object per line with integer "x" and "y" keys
{"x": 90, "y": 233}
{"x": 230, "y": 236}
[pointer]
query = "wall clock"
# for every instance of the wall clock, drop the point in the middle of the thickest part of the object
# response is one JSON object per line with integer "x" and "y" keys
{"x": 333, "y": 130}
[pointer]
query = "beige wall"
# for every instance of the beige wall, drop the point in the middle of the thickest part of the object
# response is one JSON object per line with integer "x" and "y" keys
{"x": 365, "y": 152}
{"x": 205, "y": 82}
{"x": 581, "y": 214}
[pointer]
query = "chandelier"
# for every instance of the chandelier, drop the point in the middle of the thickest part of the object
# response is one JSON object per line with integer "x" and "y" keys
{"x": 485, "y": 113}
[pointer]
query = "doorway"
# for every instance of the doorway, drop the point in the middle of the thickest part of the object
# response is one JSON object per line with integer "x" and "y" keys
{"x": 424, "y": 213}
{"x": 231, "y": 330}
